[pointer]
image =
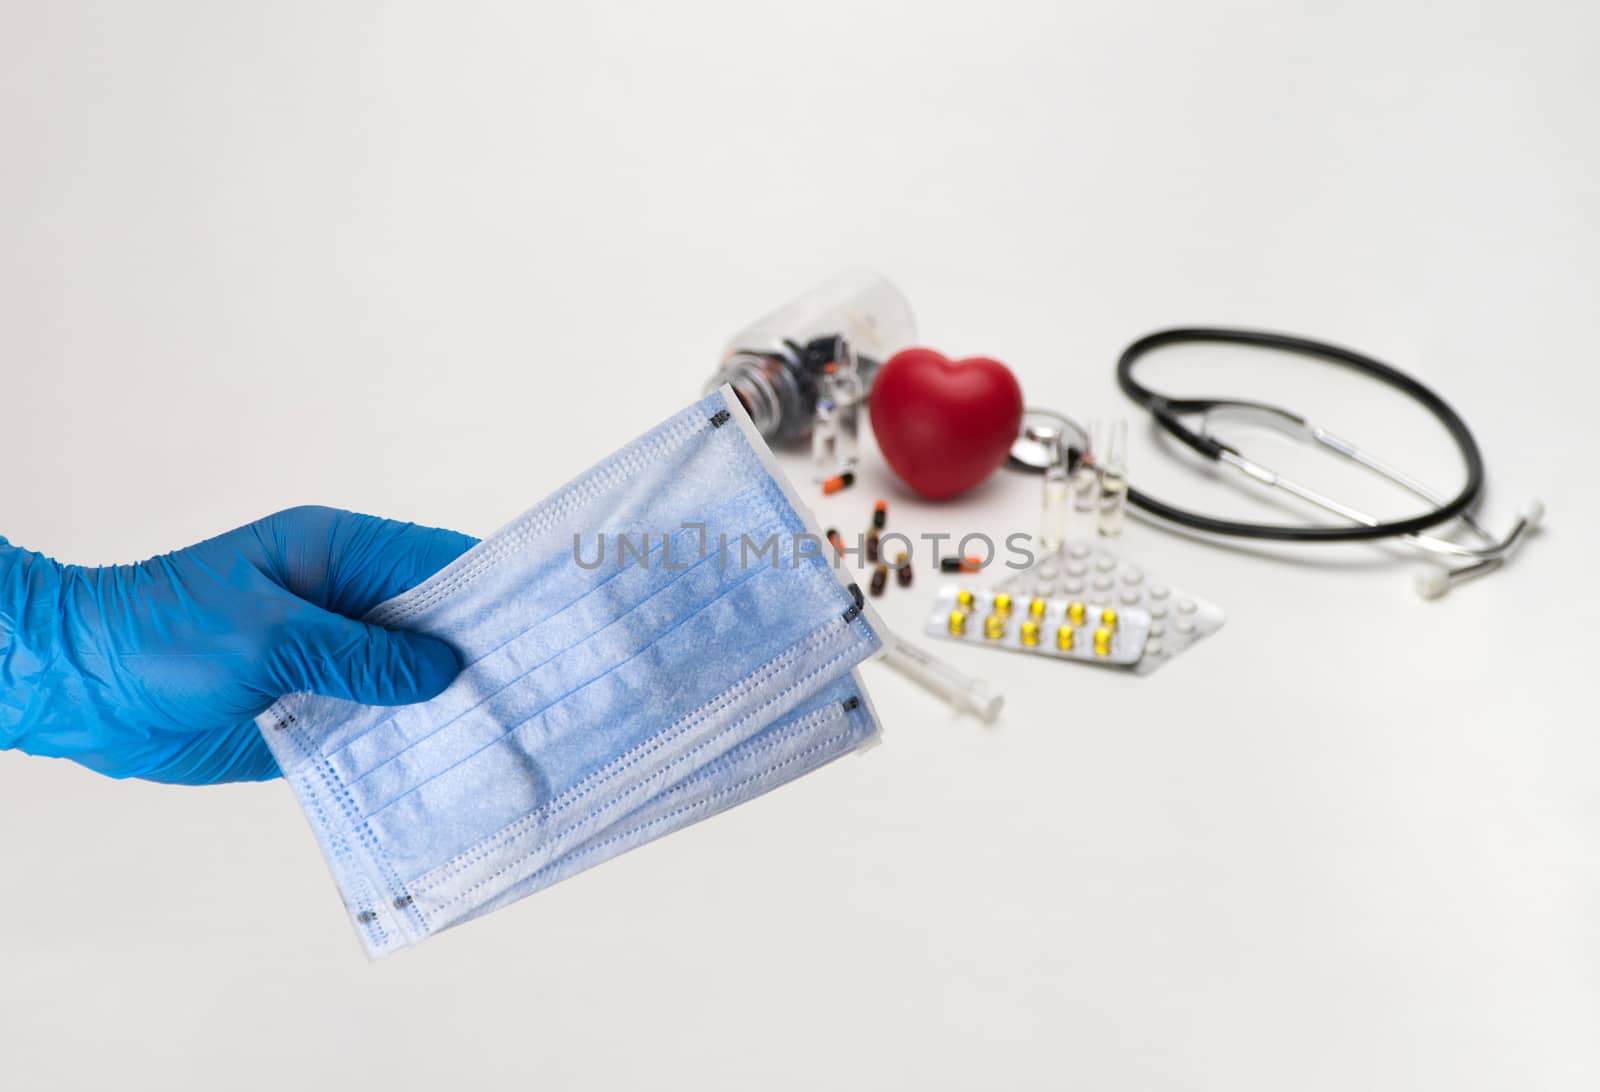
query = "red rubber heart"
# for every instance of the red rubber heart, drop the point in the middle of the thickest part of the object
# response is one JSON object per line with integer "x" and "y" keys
{"x": 944, "y": 425}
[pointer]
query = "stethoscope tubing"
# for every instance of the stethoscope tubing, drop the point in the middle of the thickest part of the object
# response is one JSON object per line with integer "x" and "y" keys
{"x": 1167, "y": 413}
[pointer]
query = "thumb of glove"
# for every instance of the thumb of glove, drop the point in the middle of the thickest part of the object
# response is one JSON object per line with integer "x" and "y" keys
{"x": 340, "y": 657}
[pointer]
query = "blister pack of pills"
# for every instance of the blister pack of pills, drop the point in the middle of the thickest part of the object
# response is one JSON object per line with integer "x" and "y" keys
{"x": 1067, "y": 596}
{"x": 1060, "y": 628}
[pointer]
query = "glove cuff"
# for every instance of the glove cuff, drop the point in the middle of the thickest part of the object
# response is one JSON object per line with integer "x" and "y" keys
{"x": 30, "y": 598}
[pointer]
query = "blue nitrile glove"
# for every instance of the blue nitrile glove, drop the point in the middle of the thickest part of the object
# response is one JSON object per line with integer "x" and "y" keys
{"x": 155, "y": 670}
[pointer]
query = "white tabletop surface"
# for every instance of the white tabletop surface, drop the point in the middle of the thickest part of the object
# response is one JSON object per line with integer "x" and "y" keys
{"x": 429, "y": 261}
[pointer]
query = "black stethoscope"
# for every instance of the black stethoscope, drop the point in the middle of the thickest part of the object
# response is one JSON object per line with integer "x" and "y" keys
{"x": 1172, "y": 415}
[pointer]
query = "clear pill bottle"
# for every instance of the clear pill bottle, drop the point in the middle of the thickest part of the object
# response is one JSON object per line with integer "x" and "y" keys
{"x": 776, "y": 364}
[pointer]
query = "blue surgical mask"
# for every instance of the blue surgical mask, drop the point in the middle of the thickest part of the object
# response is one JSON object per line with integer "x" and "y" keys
{"x": 836, "y": 721}
{"x": 661, "y": 638}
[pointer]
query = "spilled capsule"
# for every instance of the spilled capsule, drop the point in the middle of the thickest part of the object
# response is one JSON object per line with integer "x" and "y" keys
{"x": 880, "y": 580}
{"x": 838, "y": 482}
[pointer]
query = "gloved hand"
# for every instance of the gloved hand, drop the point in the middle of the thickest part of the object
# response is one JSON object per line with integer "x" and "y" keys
{"x": 154, "y": 670}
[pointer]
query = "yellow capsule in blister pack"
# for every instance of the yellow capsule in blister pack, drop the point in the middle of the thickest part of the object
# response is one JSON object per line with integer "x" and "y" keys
{"x": 1065, "y": 635}
{"x": 1036, "y": 608}
{"x": 1002, "y": 604}
{"x": 1102, "y": 641}
{"x": 964, "y": 597}
{"x": 958, "y": 623}
{"x": 1030, "y": 633}
{"x": 994, "y": 627}
{"x": 1076, "y": 612}
{"x": 1109, "y": 618}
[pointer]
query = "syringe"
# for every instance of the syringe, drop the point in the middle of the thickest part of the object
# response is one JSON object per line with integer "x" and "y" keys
{"x": 963, "y": 692}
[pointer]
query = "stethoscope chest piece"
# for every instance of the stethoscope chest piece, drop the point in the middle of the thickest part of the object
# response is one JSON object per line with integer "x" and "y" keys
{"x": 1035, "y": 448}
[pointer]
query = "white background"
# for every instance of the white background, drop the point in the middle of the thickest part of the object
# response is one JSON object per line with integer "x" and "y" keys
{"x": 429, "y": 261}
